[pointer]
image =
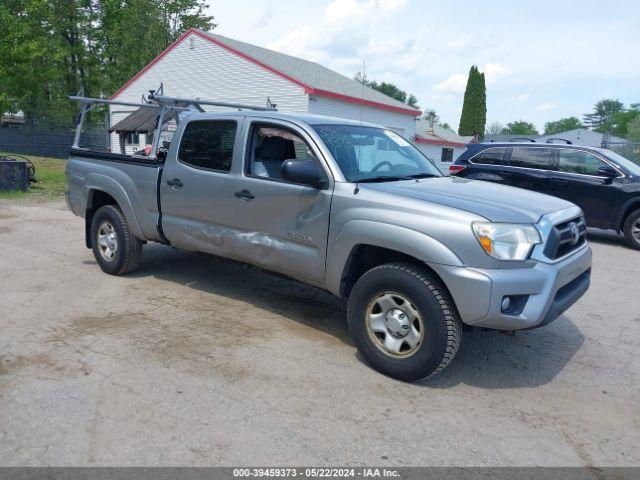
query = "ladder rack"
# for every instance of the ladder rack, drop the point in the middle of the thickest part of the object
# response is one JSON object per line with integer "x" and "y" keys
{"x": 164, "y": 104}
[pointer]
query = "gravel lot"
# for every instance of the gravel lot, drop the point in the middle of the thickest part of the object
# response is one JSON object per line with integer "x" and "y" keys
{"x": 197, "y": 361}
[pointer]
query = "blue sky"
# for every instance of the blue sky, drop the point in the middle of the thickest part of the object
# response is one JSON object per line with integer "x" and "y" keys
{"x": 543, "y": 60}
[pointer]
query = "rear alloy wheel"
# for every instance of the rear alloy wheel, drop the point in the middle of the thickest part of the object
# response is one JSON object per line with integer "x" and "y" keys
{"x": 632, "y": 230}
{"x": 116, "y": 249}
{"x": 403, "y": 321}
{"x": 107, "y": 241}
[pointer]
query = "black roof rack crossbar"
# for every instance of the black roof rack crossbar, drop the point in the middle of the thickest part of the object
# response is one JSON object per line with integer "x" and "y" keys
{"x": 553, "y": 139}
{"x": 520, "y": 139}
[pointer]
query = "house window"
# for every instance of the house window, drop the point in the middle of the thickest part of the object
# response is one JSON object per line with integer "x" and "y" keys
{"x": 447, "y": 155}
{"x": 132, "y": 138}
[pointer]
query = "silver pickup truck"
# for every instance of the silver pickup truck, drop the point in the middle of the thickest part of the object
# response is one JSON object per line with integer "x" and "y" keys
{"x": 350, "y": 208}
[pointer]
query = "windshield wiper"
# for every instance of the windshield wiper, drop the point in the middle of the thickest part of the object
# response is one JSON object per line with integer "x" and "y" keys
{"x": 383, "y": 178}
{"x": 423, "y": 175}
{"x": 395, "y": 178}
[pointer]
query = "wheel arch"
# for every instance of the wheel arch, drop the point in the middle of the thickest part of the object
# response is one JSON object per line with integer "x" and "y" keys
{"x": 109, "y": 193}
{"x": 362, "y": 245}
{"x": 363, "y": 257}
{"x": 628, "y": 208}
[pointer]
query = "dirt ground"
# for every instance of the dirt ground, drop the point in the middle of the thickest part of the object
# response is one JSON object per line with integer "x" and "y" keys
{"x": 198, "y": 361}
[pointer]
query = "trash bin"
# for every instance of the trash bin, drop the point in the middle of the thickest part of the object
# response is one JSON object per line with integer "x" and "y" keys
{"x": 13, "y": 175}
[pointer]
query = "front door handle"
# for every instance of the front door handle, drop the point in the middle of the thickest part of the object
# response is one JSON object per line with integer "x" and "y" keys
{"x": 244, "y": 194}
{"x": 175, "y": 183}
{"x": 559, "y": 182}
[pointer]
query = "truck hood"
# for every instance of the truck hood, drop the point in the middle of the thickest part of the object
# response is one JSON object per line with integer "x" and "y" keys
{"x": 497, "y": 203}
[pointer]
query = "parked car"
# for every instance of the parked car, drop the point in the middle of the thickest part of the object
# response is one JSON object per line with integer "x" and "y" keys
{"x": 352, "y": 208}
{"x": 605, "y": 185}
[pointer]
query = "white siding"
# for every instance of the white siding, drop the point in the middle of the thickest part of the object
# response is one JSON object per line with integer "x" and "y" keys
{"x": 402, "y": 123}
{"x": 581, "y": 136}
{"x": 212, "y": 72}
{"x": 434, "y": 152}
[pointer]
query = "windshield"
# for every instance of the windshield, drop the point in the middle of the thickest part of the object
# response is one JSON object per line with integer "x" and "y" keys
{"x": 374, "y": 154}
{"x": 633, "y": 168}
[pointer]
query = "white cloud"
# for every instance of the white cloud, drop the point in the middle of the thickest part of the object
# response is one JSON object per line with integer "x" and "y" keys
{"x": 494, "y": 70}
{"x": 545, "y": 107}
{"x": 346, "y": 29}
{"x": 456, "y": 83}
{"x": 523, "y": 98}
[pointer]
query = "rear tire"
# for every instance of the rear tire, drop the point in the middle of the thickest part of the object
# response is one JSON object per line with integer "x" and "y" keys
{"x": 404, "y": 321}
{"x": 632, "y": 230}
{"x": 115, "y": 248}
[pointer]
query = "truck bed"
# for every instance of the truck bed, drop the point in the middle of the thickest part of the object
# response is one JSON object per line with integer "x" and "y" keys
{"x": 131, "y": 181}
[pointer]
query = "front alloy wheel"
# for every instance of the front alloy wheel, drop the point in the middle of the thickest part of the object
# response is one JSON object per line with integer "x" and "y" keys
{"x": 404, "y": 321}
{"x": 394, "y": 325}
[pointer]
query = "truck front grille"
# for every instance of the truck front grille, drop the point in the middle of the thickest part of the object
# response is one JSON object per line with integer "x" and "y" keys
{"x": 566, "y": 237}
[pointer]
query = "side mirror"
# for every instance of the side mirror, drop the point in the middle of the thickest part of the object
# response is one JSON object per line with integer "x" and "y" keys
{"x": 304, "y": 172}
{"x": 608, "y": 171}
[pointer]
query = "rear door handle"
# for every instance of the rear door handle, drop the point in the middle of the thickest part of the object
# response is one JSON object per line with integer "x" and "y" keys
{"x": 244, "y": 194}
{"x": 559, "y": 182}
{"x": 175, "y": 183}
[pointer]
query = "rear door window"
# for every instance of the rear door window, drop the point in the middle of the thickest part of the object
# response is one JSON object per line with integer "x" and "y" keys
{"x": 491, "y": 156}
{"x": 208, "y": 144}
{"x": 577, "y": 161}
{"x": 532, "y": 157}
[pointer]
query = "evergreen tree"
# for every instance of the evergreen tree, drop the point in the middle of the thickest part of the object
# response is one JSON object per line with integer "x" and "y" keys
{"x": 474, "y": 108}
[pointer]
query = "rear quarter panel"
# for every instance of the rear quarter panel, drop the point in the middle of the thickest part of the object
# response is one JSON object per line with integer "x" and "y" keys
{"x": 132, "y": 185}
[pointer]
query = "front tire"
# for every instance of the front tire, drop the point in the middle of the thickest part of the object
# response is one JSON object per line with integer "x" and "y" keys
{"x": 403, "y": 321}
{"x": 115, "y": 248}
{"x": 632, "y": 230}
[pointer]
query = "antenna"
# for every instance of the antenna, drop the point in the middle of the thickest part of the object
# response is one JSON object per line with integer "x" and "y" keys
{"x": 364, "y": 79}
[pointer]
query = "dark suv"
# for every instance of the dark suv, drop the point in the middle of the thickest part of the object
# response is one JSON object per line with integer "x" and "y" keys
{"x": 604, "y": 184}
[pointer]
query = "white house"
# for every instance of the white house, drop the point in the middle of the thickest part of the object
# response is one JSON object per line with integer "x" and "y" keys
{"x": 441, "y": 145}
{"x": 209, "y": 66}
{"x": 583, "y": 137}
{"x": 578, "y": 136}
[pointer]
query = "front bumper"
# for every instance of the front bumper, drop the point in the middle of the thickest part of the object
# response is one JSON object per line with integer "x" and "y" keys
{"x": 549, "y": 289}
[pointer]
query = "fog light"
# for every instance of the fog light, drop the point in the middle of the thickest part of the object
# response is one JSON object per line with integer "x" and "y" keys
{"x": 506, "y": 303}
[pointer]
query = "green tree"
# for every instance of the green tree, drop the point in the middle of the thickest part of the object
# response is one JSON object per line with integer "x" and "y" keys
{"x": 135, "y": 31}
{"x": 620, "y": 121}
{"x": 50, "y": 49}
{"x": 633, "y": 129}
{"x": 520, "y": 127}
{"x": 412, "y": 101}
{"x": 38, "y": 55}
{"x": 601, "y": 117}
{"x": 389, "y": 89}
{"x": 474, "y": 107}
{"x": 562, "y": 125}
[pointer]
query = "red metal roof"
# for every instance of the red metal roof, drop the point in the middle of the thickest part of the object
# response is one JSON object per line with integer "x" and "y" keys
{"x": 431, "y": 141}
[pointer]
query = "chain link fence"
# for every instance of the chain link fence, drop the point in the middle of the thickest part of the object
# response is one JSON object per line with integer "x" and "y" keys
{"x": 630, "y": 150}
{"x": 51, "y": 139}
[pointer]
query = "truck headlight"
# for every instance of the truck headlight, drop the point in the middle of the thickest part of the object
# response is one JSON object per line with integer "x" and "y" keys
{"x": 506, "y": 241}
